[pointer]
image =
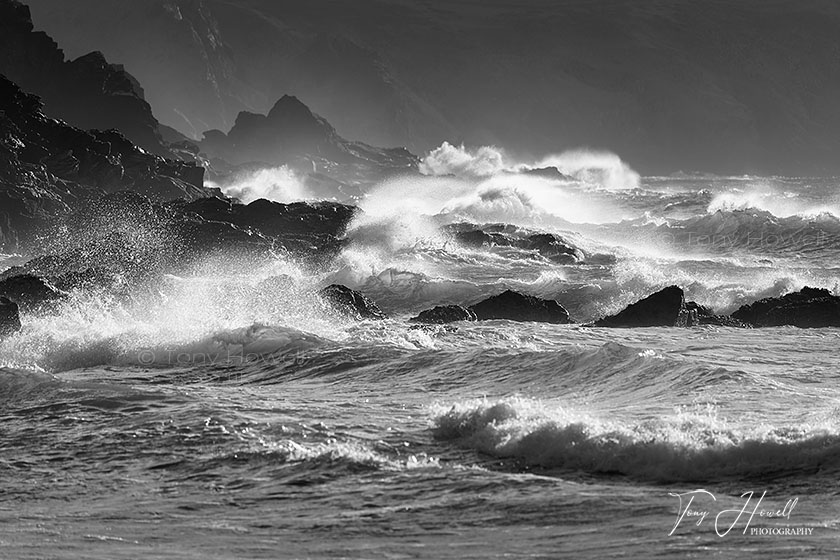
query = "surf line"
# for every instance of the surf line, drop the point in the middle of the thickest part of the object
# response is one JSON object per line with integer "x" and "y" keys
{"x": 687, "y": 499}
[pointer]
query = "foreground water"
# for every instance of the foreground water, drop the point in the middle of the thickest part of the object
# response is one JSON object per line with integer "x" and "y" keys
{"x": 225, "y": 418}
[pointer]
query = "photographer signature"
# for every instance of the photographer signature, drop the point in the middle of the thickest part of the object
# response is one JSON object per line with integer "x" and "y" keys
{"x": 725, "y": 520}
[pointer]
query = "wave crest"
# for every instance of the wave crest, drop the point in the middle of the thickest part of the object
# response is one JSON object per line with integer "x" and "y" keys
{"x": 685, "y": 447}
{"x": 460, "y": 161}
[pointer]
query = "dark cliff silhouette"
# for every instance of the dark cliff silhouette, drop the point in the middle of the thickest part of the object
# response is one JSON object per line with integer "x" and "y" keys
{"x": 291, "y": 132}
{"x": 87, "y": 92}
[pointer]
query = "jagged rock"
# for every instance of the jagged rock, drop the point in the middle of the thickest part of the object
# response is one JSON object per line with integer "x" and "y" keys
{"x": 275, "y": 218}
{"x": 91, "y": 93}
{"x": 289, "y": 129}
{"x": 31, "y": 292}
{"x": 291, "y": 134}
{"x": 48, "y": 168}
{"x": 445, "y": 314}
{"x": 706, "y": 316}
{"x": 300, "y": 227}
{"x": 807, "y": 308}
{"x": 297, "y": 218}
{"x": 9, "y": 317}
{"x": 87, "y": 92}
{"x": 665, "y": 308}
{"x": 125, "y": 240}
{"x": 350, "y": 302}
{"x": 519, "y": 307}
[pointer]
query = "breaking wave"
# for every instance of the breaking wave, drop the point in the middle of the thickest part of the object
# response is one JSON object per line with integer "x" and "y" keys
{"x": 458, "y": 160}
{"x": 751, "y": 230}
{"x": 781, "y": 203}
{"x": 685, "y": 447}
{"x": 599, "y": 168}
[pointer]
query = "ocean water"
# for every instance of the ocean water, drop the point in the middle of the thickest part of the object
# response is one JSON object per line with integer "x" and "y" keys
{"x": 225, "y": 417}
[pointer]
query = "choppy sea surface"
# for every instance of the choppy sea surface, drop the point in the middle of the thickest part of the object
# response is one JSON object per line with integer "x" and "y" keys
{"x": 228, "y": 417}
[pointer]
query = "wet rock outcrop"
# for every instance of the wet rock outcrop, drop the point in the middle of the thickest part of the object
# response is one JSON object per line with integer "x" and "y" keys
{"x": 9, "y": 317}
{"x": 442, "y": 314}
{"x": 665, "y": 308}
{"x": 31, "y": 292}
{"x": 514, "y": 306}
{"x": 668, "y": 308}
{"x": 549, "y": 245}
{"x": 303, "y": 228}
{"x": 121, "y": 241}
{"x": 350, "y": 302}
{"x": 48, "y": 168}
{"x": 705, "y": 316}
{"x": 807, "y": 308}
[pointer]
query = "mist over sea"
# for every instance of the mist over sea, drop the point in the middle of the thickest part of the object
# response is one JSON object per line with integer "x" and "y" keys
{"x": 231, "y": 417}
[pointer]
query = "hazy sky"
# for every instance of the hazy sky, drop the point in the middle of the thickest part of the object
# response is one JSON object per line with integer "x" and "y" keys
{"x": 669, "y": 85}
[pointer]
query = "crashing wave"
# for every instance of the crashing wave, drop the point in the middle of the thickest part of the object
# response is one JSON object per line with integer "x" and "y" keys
{"x": 679, "y": 448}
{"x": 752, "y": 230}
{"x": 782, "y": 204}
{"x": 603, "y": 169}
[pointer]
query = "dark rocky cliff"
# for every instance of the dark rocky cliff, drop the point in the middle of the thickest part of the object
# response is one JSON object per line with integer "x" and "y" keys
{"x": 48, "y": 168}
{"x": 87, "y": 92}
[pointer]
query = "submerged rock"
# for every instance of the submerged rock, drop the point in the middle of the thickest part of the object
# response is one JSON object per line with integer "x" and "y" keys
{"x": 519, "y": 307}
{"x": 445, "y": 314}
{"x": 9, "y": 317}
{"x": 31, "y": 292}
{"x": 665, "y": 308}
{"x": 807, "y": 308}
{"x": 350, "y": 302}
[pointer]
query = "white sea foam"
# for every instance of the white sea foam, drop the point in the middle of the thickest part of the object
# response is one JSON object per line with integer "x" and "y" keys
{"x": 594, "y": 167}
{"x": 687, "y": 446}
{"x": 278, "y": 184}
{"x": 226, "y": 311}
{"x": 597, "y": 167}
{"x": 778, "y": 201}
{"x": 458, "y": 160}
